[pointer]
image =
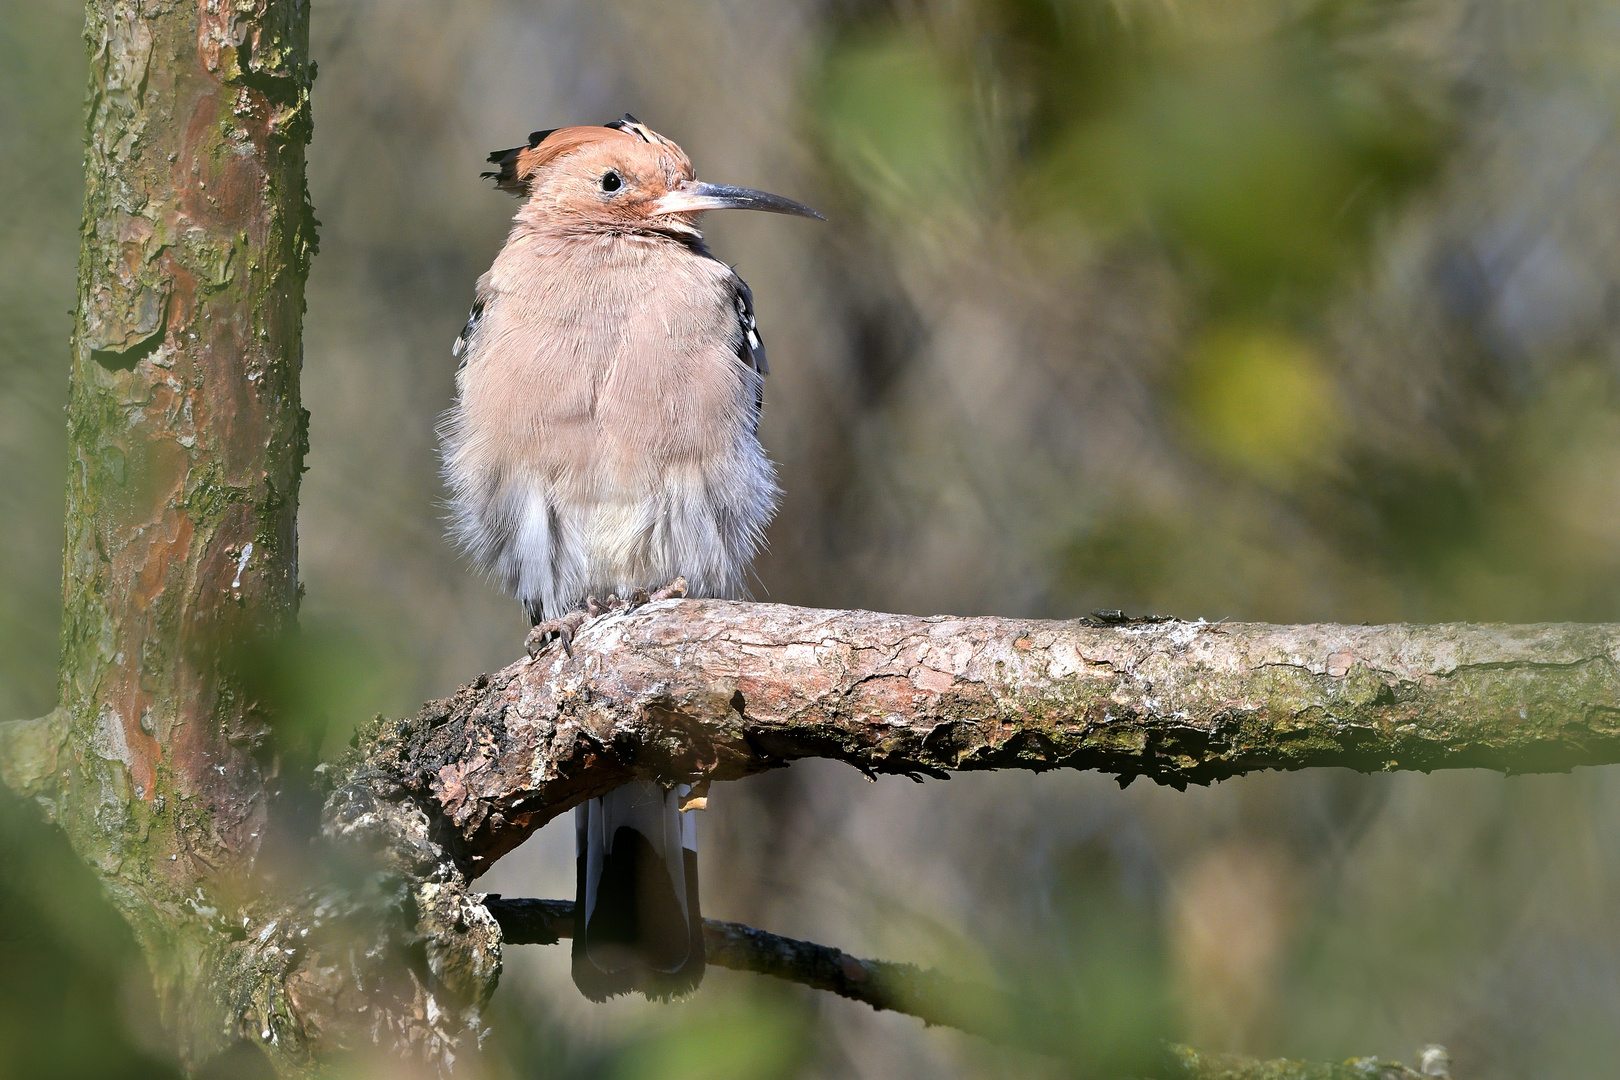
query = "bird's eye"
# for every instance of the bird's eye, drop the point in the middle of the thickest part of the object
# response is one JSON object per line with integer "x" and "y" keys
{"x": 611, "y": 181}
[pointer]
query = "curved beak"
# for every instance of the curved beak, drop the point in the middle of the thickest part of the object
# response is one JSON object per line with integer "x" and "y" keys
{"x": 694, "y": 195}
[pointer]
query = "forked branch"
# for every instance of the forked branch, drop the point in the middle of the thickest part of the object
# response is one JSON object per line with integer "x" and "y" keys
{"x": 701, "y": 690}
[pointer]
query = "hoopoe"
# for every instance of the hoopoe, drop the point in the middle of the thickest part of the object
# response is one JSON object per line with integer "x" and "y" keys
{"x": 604, "y": 442}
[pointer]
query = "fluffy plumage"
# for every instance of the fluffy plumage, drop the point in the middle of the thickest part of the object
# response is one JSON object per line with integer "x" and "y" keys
{"x": 605, "y": 438}
{"x": 579, "y": 465}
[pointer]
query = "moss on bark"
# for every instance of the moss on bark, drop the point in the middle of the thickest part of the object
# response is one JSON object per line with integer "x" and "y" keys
{"x": 186, "y": 441}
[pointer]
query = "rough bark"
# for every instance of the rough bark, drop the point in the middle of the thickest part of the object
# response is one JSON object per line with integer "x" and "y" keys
{"x": 698, "y": 691}
{"x": 187, "y": 443}
{"x": 164, "y": 762}
{"x": 694, "y": 691}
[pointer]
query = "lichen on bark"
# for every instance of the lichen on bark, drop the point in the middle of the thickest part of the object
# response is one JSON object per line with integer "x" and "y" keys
{"x": 695, "y": 691}
{"x": 188, "y": 438}
{"x": 187, "y": 445}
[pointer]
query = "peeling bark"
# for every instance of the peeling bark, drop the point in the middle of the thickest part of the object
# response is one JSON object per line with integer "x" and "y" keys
{"x": 187, "y": 442}
{"x": 700, "y": 690}
{"x": 162, "y": 763}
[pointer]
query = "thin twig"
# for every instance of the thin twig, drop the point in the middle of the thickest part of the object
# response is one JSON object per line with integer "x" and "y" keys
{"x": 933, "y": 998}
{"x": 905, "y": 988}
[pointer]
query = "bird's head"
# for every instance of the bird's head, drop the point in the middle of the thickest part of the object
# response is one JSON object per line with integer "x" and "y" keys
{"x": 623, "y": 177}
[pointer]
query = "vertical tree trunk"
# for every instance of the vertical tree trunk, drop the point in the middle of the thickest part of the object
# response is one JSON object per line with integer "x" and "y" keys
{"x": 187, "y": 444}
{"x": 181, "y": 563}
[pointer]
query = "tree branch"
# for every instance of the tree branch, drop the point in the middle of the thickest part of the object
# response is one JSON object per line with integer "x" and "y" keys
{"x": 701, "y": 690}
{"x": 930, "y": 996}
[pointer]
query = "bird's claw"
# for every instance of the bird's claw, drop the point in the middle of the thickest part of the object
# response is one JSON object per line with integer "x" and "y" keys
{"x": 639, "y": 596}
{"x": 560, "y": 629}
{"x": 563, "y": 628}
{"x": 673, "y": 590}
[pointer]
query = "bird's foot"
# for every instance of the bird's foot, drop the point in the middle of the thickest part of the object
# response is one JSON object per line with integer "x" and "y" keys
{"x": 562, "y": 629}
{"x": 672, "y": 591}
{"x": 638, "y": 597}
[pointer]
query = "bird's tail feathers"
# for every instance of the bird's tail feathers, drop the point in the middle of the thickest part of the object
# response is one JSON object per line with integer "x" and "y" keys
{"x": 638, "y": 925}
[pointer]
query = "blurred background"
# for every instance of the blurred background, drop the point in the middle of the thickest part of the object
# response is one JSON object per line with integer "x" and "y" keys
{"x": 1280, "y": 310}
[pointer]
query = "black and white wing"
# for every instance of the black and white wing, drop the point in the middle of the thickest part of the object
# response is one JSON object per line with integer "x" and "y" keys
{"x": 459, "y": 349}
{"x": 750, "y": 347}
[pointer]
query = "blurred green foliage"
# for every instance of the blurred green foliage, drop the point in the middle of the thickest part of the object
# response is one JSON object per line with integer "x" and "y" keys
{"x": 74, "y": 989}
{"x": 1107, "y": 976}
{"x": 1250, "y": 137}
{"x": 759, "y": 1037}
{"x": 1282, "y": 162}
{"x": 897, "y": 120}
{"x": 42, "y": 79}
{"x": 1261, "y": 400}
{"x": 1277, "y": 309}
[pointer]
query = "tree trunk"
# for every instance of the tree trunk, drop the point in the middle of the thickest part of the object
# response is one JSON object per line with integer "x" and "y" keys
{"x": 187, "y": 445}
{"x": 165, "y": 765}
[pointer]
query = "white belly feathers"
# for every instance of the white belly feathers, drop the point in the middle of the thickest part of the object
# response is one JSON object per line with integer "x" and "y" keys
{"x": 552, "y": 549}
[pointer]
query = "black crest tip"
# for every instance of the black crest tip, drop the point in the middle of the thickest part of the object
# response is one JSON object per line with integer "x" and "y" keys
{"x": 506, "y": 177}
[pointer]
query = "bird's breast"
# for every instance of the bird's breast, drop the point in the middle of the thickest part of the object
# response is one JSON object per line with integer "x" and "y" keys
{"x": 609, "y": 364}
{"x": 604, "y": 427}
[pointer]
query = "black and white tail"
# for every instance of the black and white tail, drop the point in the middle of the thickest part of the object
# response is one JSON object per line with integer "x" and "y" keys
{"x": 637, "y": 925}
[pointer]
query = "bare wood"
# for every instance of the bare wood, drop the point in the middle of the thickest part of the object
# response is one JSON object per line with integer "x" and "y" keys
{"x": 703, "y": 690}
